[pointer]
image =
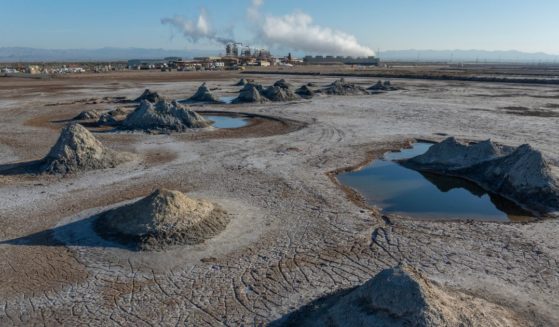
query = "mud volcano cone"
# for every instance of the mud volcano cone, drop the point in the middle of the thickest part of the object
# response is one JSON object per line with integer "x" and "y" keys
{"x": 341, "y": 87}
{"x": 526, "y": 176}
{"x": 88, "y": 115}
{"x": 204, "y": 95}
{"x": 400, "y": 297}
{"x": 243, "y": 82}
{"x": 161, "y": 219}
{"x": 164, "y": 116}
{"x": 150, "y": 96}
{"x": 382, "y": 86}
{"x": 522, "y": 174}
{"x": 107, "y": 119}
{"x": 278, "y": 94}
{"x": 283, "y": 84}
{"x": 251, "y": 93}
{"x": 118, "y": 111}
{"x": 78, "y": 150}
{"x": 305, "y": 92}
{"x": 451, "y": 154}
{"x": 377, "y": 87}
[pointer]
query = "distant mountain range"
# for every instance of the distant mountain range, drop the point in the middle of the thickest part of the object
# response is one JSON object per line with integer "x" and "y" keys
{"x": 468, "y": 56}
{"x": 23, "y": 54}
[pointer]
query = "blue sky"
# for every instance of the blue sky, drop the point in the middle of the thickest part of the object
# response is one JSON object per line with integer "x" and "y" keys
{"x": 530, "y": 26}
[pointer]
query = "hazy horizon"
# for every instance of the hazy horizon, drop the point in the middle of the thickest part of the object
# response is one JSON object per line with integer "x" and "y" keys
{"x": 222, "y": 49}
{"x": 24, "y": 54}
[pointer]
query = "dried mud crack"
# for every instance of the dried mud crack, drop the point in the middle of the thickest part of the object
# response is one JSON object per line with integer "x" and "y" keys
{"x": 292, "y": 237}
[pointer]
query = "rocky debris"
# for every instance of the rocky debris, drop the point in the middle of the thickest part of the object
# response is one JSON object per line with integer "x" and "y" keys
{"x": 383, "y": 86}
{"x": 162, "y": 219}
{"x": 251, "y": 93}
{"x": 283, "y": 84}
{"x": 204, "y": 95}
{"x": 305, "y": 92}
{"x": 520, "y": 174}
{"x": 78, "y": 150}
{"x": 312, "y": 84}
{"x": 400, "y": 297}
{"x": 341, "y": 87}
{"x": 243, "y": 82}
{"x": 150, "y": 96}
{"x": 277, "y": 94}
{"x": 164, "y": 116}
{"x": 88, "y": 115}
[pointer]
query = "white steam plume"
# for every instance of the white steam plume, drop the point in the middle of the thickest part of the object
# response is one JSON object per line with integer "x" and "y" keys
{"x": 253, "y": 11}
{"x": 297, "y": 32}
{"x": 195, "y": 30}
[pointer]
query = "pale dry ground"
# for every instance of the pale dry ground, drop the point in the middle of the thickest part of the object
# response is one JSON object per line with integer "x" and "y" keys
{"x": 294, "y": 235}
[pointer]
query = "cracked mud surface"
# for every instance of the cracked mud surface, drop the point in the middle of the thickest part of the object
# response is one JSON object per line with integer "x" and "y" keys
{"x": 294, "y": 235}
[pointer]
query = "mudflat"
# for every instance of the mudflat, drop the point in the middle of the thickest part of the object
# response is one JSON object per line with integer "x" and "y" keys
{"x": 294, "y": 234}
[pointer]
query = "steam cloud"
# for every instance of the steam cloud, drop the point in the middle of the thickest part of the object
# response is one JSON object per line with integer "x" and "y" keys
{"x": 253, "y": 11}
{"x": 297, "y": 31}
{"x": 294, "y": 32}
{"x": 195, "y": 30}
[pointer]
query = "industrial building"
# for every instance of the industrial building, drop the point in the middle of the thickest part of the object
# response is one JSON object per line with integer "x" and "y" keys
{"x": 232, "y": 49}
{"x": 236, "y": 49}
{"x": 238, "y": 55}
{"x": 146, "y": 63}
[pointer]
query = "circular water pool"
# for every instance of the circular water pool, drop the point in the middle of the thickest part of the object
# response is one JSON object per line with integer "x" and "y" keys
{"x": 222, "y": 121}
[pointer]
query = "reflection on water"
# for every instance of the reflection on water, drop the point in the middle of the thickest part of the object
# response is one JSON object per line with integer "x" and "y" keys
{"x": 227, "y": 121}
{"x": 400, "y": 190}
{"x": 224, "y": 99}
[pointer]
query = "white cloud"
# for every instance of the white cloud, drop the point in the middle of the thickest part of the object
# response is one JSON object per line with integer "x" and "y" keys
{"x": 297, "y": 32}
